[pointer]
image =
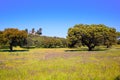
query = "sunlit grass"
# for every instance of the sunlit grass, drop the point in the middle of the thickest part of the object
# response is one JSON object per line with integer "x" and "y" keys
{"x": 60, "y": 64}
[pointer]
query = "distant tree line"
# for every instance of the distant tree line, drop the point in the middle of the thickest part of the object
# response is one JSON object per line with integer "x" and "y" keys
{"x": 45, "y": 42}
{"x": 35, "y": 39}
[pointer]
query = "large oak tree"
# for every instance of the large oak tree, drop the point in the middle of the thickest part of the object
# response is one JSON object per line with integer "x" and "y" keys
{"x": 91, "y": 36}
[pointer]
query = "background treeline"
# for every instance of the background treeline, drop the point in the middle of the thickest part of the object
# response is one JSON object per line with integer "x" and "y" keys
{"x": 45, "y": 42}
{"x": 35, "y": 39}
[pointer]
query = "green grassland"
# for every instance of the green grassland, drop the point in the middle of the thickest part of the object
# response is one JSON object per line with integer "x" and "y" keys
{"x": 60, "y": 64}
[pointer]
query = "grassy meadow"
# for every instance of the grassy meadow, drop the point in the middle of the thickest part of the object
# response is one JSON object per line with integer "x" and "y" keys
{"x": 60, "y": 64}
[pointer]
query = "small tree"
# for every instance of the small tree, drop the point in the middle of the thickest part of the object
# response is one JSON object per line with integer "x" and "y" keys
{"x": 26, "y": 30}
{"x": 33, "y": 30}
{"x": 14, "y": 37}
{"x": 39, "y": 32}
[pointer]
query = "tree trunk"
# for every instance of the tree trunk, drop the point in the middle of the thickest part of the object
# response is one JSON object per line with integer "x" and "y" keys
{"x": 90, "y": 48}
{"x": 11, "y": 47}
{"x": 108, "y": 46}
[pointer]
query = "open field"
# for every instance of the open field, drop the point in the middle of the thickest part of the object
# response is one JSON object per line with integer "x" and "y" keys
{"x": 60, "y": 64}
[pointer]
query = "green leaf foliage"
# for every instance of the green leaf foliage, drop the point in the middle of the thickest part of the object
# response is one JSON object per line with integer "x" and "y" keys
{"x": 91, "y": 35}
{"x": 45, "y": 41}
{"x": 13, "y": 37}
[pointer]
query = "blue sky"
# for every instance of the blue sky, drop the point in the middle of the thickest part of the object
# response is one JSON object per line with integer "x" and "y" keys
{"x": 56, "y": 16}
